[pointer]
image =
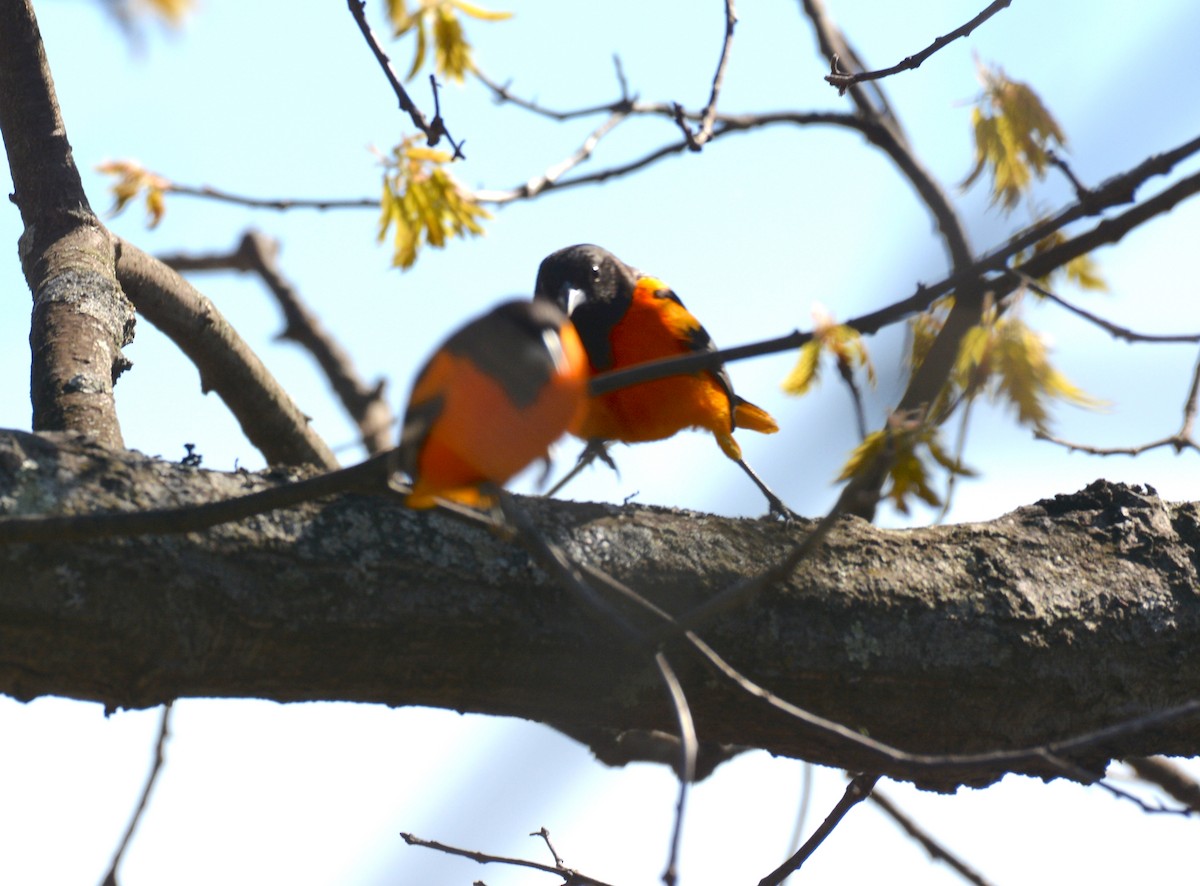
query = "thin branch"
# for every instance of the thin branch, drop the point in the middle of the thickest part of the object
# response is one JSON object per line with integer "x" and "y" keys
{"x": 936, "y": 850}
{"x": 1082, "y": 192}
{"x": 547, "y": 179}
{"x": 571, "y": 877}
{"x": 1170, "y": 778}
{"x": 545, "y": 835}
{"x": 433, "y": 131}
{"x": 110, "y": 878}
{"x": 708, "y": 116}
{"x": 687, "y": 759}
{"x": 281, "y": 204}
{"x": 805, "y": 802}
{"x": 1156, "y": 807}
{"x": 268, "y": 416}
{"x": 843, "y": 80}
{"x": 1179, "y": 441}
{"x": 857, "y": 790}
{"x": 503, "y": 94}
{"x": 725, "y": 124}
{"x": 1174, "y": 441}
{"x": 833, "y": 46}
{"x": 365, "y": 404}
{"x": 1120, "y": 189}
{"x": 1040, "y": 265}
{"x": 1122, "y": 333}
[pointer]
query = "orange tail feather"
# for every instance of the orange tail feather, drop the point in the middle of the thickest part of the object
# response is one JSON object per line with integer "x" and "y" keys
{"x": 754, "y": 418}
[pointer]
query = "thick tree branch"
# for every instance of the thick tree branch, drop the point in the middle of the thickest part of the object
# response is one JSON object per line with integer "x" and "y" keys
{"x": 268, "y": 416}
{"x": 1060, "y": 618}
{"x": 81, "y": 320}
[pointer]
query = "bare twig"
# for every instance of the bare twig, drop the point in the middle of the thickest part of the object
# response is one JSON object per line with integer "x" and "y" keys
{"x": 258, "y": 254}
{"x": 936, "y": 850}
{"x": 724, "y": 125}
{"x": 545, "y": 835}
{"x": 503, "y": 94}
{"x": 1179, "y": 441}
{"x": 1170, "y": 778}
{"x": 547, "y": 179}
{"x": 1150, "y": 808}
{"x": 708, "y": 116}
{"x": 433, "y": 130}
{"x": 687, "y": 759}
{"x": 267, "y": 414}
{"x": 1174, "y": 441}
{"x": 280, "y": 204}
{"x": 806, "y": 786}
{"x": 857, "y": 790}
{"x": 1121, "y": 333}
{"x": 110, "y": 878}
{"x": 571, "y": 877}
{"x": 843, "y": 80}
{"x": 860, "y": 416}
{"x": 1082, "y": 192}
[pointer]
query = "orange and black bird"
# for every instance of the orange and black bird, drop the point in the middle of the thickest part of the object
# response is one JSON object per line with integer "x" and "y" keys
{"x": 624, "y": 318}
{"x": 490, "y": 401}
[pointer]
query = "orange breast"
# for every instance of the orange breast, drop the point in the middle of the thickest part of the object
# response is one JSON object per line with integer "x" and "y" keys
{"x": 652, "y": 328}
{"x": 480, "y": 435}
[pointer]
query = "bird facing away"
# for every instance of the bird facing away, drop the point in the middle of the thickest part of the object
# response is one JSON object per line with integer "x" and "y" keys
{"x": 490, "y": 401}
{"x": 625, "y": 318}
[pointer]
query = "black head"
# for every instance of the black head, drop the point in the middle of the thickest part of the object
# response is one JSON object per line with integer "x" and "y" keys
{"x": 593, "y": 287}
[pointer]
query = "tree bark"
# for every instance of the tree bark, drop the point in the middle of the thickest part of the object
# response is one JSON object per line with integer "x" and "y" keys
{"x": 81, "y": 319}
{"x": 1062, "y": 617}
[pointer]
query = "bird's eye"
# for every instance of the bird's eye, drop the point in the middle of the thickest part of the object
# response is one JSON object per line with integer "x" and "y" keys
{"x": 595, "y": 273}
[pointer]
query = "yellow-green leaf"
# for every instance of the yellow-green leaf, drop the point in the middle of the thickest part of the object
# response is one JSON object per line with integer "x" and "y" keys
{"x": 804, "y": 375}
{"x": 133, "y": 180}
{"x": 480, "y": 13}
{"x": 424, "y": 203}
{"x": 439, "y": 22}
{"x": 1014, "y": 133}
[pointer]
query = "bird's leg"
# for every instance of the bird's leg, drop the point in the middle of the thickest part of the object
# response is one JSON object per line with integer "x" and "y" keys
{"x": 595, "y": 449}
{"x": 778, "y": 508}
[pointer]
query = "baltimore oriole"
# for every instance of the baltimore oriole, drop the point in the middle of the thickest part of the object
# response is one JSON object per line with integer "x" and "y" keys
{"x": 624, "y": 318}
{"x": 490, "y": 401}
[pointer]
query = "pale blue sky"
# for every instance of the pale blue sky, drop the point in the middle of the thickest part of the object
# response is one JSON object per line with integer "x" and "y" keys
{"x": 260, "y": 99}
